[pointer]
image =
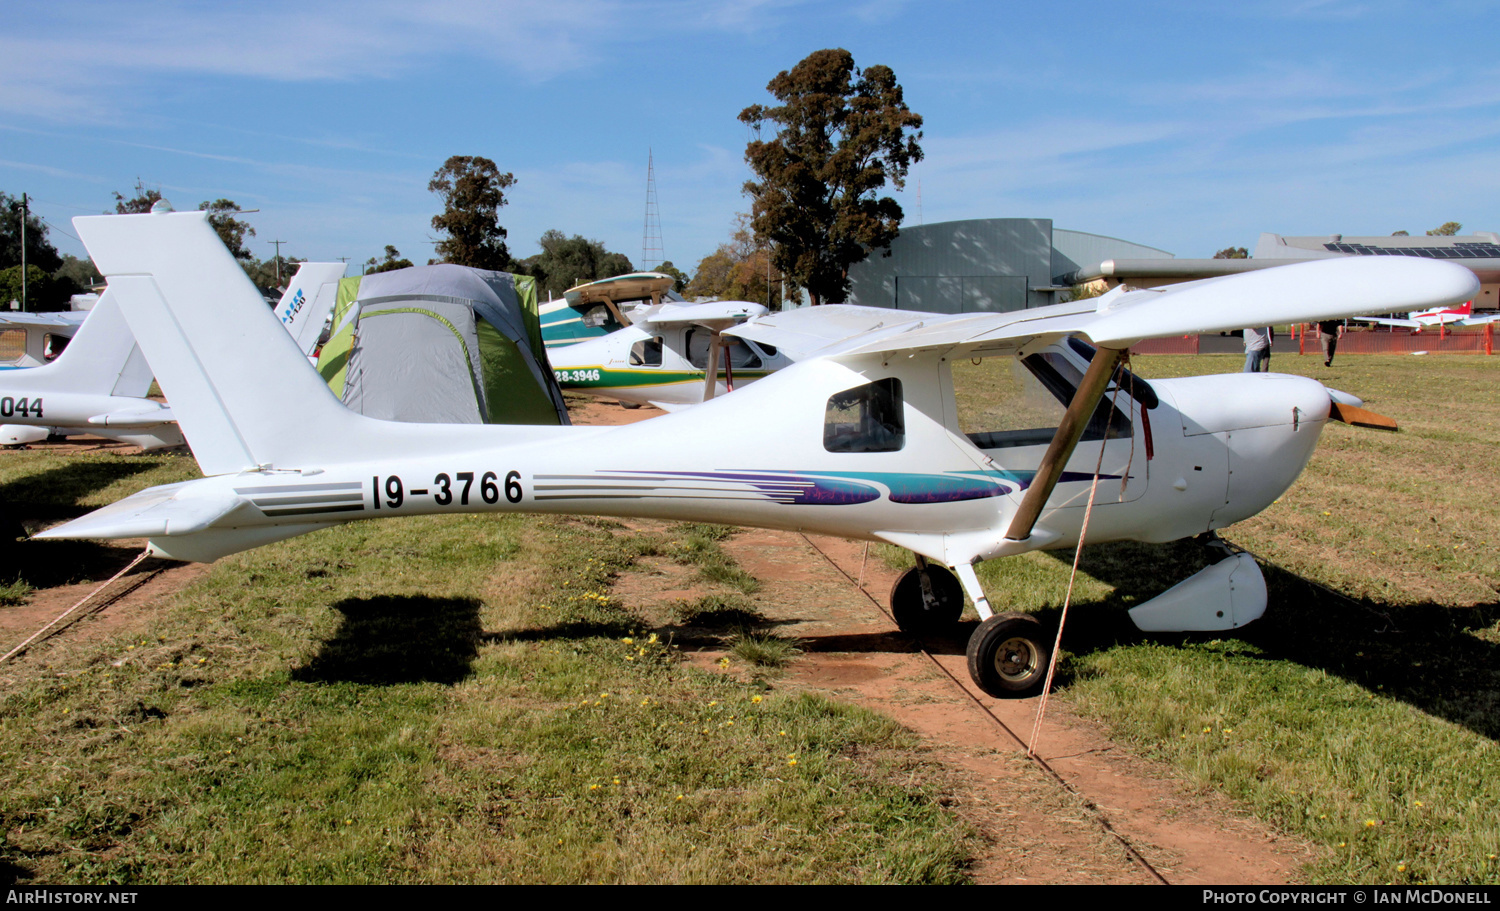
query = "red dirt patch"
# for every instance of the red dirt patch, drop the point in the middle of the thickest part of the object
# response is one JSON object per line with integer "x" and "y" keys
{"x": 854, "y": 651}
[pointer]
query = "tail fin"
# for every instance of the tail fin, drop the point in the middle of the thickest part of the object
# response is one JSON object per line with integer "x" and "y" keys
{"x": 101, "y": 359}
{"x": 243, "y": 393}
{"x": 308, "y": 301}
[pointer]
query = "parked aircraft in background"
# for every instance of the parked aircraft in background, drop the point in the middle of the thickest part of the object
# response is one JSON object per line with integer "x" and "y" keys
{"x": 861, "y": 440}
{"x": 98, "y": 384}
{"x": 671, "y": 356}
{"x": 1461, "y": 315}
{"x": 597, "y": 308}
{"x": 308, "y": 301}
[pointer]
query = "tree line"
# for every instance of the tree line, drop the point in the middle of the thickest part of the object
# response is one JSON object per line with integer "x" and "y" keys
{"x": 821, "y": 156}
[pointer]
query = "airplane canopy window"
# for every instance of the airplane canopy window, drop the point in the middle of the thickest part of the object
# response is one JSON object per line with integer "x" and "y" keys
{"x": 53, "y": 345}
{"x": 868, "y": 418}
{"x": 646, "y": 353}
{"x": 1135, "y": 387}
{"x": 598, "y": 316}
{"x": 1025, "y": 400}
{"x": 740, "y": 355}
{"x": 12, "y": 344}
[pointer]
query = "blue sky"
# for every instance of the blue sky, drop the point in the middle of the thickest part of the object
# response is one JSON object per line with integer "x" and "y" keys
{"x": 1166, "y": 123}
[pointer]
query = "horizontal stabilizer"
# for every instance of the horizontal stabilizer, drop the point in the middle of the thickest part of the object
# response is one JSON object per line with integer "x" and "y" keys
{"x": 144, "y": 417}
{"x": 155, "y": 511}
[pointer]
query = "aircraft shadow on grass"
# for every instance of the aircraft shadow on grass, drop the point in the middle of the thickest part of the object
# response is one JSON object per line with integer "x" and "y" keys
{"x": 58, "y": 493}
{"x": 30, "y": 503}
{"x": 393, "y": 639}
{"x": 1423, "y": 654}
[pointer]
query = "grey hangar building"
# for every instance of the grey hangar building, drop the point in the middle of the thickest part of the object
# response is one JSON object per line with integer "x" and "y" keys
{"x": 1002, "y": 264}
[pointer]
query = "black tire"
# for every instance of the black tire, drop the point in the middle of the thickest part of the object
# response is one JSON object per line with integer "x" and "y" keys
{"x": 1008, "y": 656}
{"x": 631, "y": 406}
{"x": 914, "y": 613}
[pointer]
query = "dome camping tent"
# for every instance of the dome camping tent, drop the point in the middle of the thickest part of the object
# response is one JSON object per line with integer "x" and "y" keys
{"x": 441, "y": 344}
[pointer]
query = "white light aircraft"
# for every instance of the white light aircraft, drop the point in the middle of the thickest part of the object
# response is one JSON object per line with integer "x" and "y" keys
{"x": 671, "y": 355}
{"x": 860, "y": 441}
{"x": 1462, "y": 315}
{"x": 98, "y": 384}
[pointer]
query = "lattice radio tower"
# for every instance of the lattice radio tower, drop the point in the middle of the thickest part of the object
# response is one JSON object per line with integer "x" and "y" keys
{"x": 651, "y": 250}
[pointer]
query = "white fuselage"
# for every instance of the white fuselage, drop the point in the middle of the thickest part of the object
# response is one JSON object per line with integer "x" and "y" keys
{"x": 28, "y": 405}
{"x": 1211, "y": 459}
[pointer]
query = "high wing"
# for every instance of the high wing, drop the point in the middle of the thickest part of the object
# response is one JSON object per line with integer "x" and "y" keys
{"x": 716, "y": 315}
{"x": 1300, "y": 292}
{"x": 65, "y": 319}
{"x": 809, "y": 331}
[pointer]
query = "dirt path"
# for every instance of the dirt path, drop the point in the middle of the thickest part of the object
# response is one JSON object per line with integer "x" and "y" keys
{"x": 125, "y": 604}
{"x": 855, "y": 652}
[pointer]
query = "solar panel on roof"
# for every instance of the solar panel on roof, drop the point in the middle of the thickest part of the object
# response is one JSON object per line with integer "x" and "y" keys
{"x": 1468, "y": 250}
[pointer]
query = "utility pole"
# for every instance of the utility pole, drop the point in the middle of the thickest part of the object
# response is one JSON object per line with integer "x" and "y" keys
{"x": 25, "y": 211}
{"x": 278, "y": 244}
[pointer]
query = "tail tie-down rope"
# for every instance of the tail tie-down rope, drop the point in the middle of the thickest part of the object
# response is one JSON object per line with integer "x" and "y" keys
{"x": 65, "y": 614}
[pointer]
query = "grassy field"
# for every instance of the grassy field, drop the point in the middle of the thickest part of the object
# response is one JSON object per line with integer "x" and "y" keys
{"x": 455, "y": 699}
{"x": 1362, "y": 711}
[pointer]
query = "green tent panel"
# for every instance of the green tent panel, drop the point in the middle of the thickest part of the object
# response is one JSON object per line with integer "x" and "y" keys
{"x": 333, "y": 358}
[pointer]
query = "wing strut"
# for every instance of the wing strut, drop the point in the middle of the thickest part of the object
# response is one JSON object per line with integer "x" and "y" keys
{"x": 1065, "y": 440}
{"x": 711, "y": 374}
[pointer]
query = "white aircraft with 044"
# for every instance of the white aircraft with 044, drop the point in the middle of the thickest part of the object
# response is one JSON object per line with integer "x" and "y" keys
{"x": 859, "y": 441}
{"x": 98, "y": 384}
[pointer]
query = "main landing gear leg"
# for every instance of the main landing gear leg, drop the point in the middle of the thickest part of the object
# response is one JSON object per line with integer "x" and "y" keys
{"x": 1008, "y": 654}
{"x": 926, "y": 599}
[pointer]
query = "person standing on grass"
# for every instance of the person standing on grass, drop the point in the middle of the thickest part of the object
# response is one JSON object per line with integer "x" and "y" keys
{"x": 1330, "y": 330}
{"x": 1258, "y": 349}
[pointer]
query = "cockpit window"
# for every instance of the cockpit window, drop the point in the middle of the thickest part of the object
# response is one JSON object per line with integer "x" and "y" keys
{"x": 740, "y": 355}
{"x": 868, "y": 418}
{"x": 1025, "y": 399}
{"x": 1135, "y": 387}
{"x": 12, "y": 345}
{"x": 646, "y": 353}
{"x": 599, "y": 317}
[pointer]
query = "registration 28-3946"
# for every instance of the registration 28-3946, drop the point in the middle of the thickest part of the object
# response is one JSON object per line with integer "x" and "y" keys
{"x": 447, "y": 490}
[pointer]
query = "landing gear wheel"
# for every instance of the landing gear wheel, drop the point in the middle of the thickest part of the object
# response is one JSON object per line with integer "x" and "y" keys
{"x": 630, "y": 406}
{"x": 913, "y": 611}
{"x": 1008, "y": 656}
